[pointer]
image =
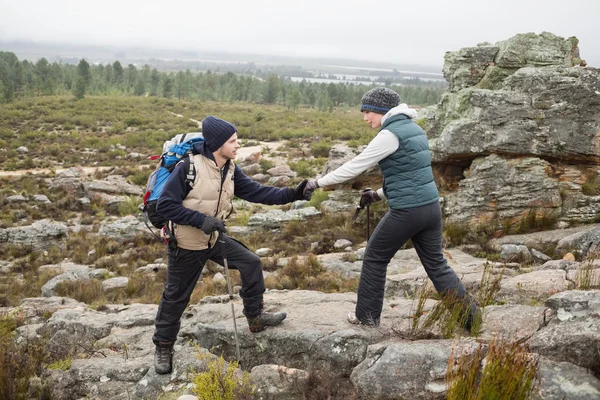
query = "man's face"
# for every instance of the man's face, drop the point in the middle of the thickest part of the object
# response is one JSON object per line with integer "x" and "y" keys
{"x": 372, "y": 118}
{"x": 229, "y": 149}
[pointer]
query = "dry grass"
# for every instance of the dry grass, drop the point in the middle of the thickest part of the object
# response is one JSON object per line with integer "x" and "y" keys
{"x": 509, "y": 371}
{"x": 310, "y": 275}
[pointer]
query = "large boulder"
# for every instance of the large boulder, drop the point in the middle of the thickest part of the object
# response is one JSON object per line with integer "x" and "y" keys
{"x": 41, "y": 234}
{"x": 497, "y": 189}
{"x": 407, "y": 370}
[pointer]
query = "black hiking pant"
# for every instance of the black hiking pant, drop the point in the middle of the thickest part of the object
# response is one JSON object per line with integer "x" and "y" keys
{"x": 185, "y": 267}
{"x": 424, "y": 226}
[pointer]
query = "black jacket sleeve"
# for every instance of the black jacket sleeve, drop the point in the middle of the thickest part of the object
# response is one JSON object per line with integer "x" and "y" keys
{"x": 248, "y": 189}
{"x": 169, "y": 204}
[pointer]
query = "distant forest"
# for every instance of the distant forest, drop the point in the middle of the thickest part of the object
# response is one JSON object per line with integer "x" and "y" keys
{"x": 24, "y": 78}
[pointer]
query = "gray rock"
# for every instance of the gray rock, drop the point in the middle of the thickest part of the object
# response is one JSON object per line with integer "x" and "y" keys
{"x": 515, "y": 253}
{"x": 264, "y": 252}
{"x": 5, "y": 267}
{"x": 467, "y": 66}
{"x": 275, "y": 218}
{"x": 569, "y": 341}
{"x": 277, "y": 382}
{"x": 530, "y": 49}
{"x": 341, "y": 244}
{"x": 564, "y": 265}
{"x": 301, "y": 341}
{"x": 497, "y": 189}
{"x": 115, "y": 283}
{"x": 252, "y": 169}
{"x": 17, "y": 198}
{"x": 298, "y": 204}
{"x": 537, "y": 285}
{"x": 261, "y": 177}
{"x": 538, "y": 255}
{"x": 542, "y": 239}
{"x": 517, "y": 322}
{"x": 218, "y": 277}
{"x": 584, "y": 244}
{"x": 151, "y": 268}
{"x": 123, "y": 229}
{"x": 279, "y": 180}
{"x": 49, "y": 288}
{"x": 40, "y": 198}
{"x": 563, "y": 380}
{"x": 22, "y": 150}
{"x": 360, "y": 253}
{"x": 378, "y": 375}
{"x": 113, "y": 184}
{"x": 332, "y": 206}
{"x": 282, "y": 170}
{"x": 41, "y": 234}
{"x": 575, "y": 304}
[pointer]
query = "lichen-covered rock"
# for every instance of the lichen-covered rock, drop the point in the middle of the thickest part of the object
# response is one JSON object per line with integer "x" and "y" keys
{"x": 497, "y": 189}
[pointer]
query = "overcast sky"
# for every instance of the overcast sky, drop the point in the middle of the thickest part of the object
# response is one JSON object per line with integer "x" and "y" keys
{"x": 400, "y": 31}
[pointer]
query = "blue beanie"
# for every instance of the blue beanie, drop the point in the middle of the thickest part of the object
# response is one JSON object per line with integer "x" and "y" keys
{"x": 216, "y": 132}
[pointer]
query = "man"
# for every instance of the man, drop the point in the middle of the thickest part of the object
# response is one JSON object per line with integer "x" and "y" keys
{"x": 402, "y": 152}
{"x": 197, "y": 211}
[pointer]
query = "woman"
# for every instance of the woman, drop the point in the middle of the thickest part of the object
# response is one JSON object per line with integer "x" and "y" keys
{"x": 402, "y": 152}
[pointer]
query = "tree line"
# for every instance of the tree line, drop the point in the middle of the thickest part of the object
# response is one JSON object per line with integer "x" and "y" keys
{"x": 42, "y": 78}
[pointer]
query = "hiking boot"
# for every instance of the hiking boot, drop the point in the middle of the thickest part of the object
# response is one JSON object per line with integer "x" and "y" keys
{"x": 353, "y": 319}
{"x": 163, "y": 358}
{"x": 264, "y": 319}
{"x": 474, "y": 319}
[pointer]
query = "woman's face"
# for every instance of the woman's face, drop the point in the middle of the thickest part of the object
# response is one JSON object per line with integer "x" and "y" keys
{"x": 372, "y": 118}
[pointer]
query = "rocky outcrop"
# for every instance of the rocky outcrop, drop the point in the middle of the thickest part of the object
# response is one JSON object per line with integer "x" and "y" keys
{"x": 523, "y": 119}
{"x": 41, "y": 234}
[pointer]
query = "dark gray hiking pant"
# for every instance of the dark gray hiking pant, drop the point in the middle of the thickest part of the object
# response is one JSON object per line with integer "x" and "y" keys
{"x": 424, "y": 226}
{"x": 185, "y": 267}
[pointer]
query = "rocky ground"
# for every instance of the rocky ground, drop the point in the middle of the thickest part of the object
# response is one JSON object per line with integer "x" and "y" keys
{"x": 514, "y": 139}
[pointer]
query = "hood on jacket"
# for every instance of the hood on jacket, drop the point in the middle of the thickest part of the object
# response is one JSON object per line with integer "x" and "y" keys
{"x": 400, "y": 109}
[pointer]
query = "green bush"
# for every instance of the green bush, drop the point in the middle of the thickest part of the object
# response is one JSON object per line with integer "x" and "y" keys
{"x": 321, "y": 148}
{"x": 220, "y": 382}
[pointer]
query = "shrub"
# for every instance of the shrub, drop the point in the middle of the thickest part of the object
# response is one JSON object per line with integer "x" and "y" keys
{"x": 591, "y": 186}
{"x": 266, "y": 164}
{"x": 129, "y": 207}
{"x": 317, "y": 198}
{"x": 321, "y": 148}
{"x": 18, "y": 362}
{"x": 220, "y": 382}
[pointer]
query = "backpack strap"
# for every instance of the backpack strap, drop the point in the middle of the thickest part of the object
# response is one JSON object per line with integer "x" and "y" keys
{"x": 191, "y": 173}
{"x": 190, "y": 170}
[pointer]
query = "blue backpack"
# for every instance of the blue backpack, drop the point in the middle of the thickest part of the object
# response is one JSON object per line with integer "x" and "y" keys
{"x": 174, "y": 151}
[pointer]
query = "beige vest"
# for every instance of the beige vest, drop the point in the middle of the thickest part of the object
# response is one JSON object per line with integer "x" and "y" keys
{"x": 208, "y": 197}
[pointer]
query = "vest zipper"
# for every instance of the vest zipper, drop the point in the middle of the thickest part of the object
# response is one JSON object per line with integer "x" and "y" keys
{"x": 218, "y": 203}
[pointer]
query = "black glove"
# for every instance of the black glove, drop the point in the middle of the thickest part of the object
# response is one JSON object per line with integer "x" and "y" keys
{"x": 212, "y": 224}
{"x": 299, "y": 191}
{"x": 309, "y": 188}
{"x": 368, "y": 197}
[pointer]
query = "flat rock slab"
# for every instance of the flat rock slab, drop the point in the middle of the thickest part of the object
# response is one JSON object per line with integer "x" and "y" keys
{"x": 315, "y": 333}
{"x": 512, "y": 321}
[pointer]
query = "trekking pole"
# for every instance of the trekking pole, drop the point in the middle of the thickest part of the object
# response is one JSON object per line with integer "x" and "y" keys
{"x": 368, "y": 222}
{"x": 222, "y": 237}
{"x": 368, "y": 216}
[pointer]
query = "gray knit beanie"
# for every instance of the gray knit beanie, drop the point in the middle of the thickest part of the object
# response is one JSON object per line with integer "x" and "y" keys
{"x": 379, "y": 100}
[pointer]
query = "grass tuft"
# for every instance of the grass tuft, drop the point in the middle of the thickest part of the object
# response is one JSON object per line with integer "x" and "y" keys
{"x": 509, "y": 371}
